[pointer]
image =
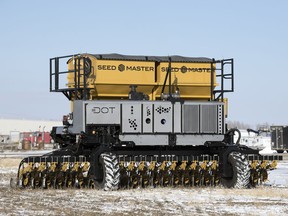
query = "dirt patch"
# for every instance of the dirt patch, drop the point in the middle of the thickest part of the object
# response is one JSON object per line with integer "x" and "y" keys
{"x": 262, "y": 200}
{"x": 10, "y": 162}
{"x": 156, "y": 201}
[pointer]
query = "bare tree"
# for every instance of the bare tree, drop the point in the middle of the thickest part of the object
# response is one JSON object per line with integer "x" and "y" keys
{"x": 237, "y": 124}
{"x": 264, "y": 126}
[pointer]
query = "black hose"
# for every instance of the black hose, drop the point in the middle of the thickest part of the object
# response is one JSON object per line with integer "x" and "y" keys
{"x": 251, "y": 130}
{"x": 231, "y": 133}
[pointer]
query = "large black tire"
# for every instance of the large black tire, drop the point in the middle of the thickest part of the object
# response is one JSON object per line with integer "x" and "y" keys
{"x": 111, "y": 172}
{"x": 241, "y": 172}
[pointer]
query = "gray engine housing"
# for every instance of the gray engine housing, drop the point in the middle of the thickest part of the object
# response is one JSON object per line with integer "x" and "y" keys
{"x": 153, "y": 122}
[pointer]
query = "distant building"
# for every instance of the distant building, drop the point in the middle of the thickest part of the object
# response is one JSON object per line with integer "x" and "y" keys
{"x": 12, "y": 130}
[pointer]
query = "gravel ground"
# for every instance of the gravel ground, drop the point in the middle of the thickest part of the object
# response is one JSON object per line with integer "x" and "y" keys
{"x": 263, "y": 200}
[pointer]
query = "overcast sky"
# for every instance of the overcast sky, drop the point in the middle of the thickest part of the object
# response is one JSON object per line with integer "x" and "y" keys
{"x": 254, "y": 33}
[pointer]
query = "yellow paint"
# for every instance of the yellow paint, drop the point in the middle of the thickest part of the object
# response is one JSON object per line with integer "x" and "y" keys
{"x": 110, "y": 79}
{"x": 193, "y": 166}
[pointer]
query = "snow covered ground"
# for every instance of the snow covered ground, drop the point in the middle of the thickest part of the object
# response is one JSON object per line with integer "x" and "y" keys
{"x": 270, "y": 199}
